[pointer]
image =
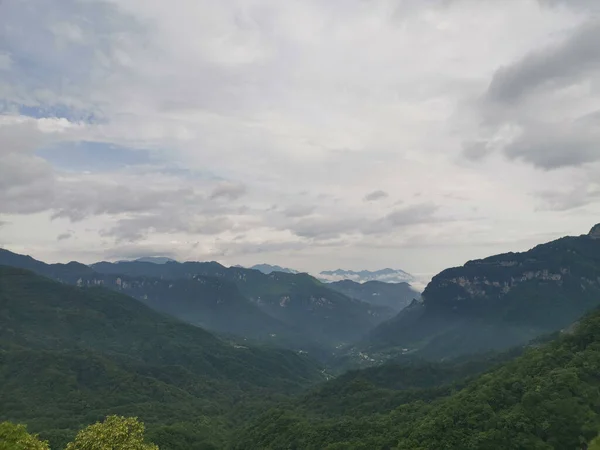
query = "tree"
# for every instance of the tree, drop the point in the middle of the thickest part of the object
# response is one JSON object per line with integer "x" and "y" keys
{"x": 123, "y": 433}
{"x": 16, "y": 437}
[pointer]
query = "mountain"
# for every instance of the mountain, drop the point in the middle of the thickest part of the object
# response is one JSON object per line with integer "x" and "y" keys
{"x": 298, "y": 300}
{"x": 71, "y": 355}
{"x": 155, "y": 259}
{"x": 291, "y": 310}
{"x": 212, "y": 303}
{"x": 393, "y": 295}
{"x": 267, "y": 269}
{"x": 384, "y": 275}
{"x": 547, "y": 398}
{"x": 496, "y": 302}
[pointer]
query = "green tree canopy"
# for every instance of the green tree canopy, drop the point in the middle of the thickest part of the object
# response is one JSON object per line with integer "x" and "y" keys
{"x": 16, "y": 437}
{"x": 123, "y": 433}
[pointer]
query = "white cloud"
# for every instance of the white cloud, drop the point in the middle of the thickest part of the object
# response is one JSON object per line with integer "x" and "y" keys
{"x": 311, "y": 106}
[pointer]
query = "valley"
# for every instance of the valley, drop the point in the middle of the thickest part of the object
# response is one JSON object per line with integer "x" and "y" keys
{"x": 211, "y": 357}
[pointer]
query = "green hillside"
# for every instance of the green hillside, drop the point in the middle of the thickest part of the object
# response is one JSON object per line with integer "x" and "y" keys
{"x": 298, "y": 300}
{"x": 69, "y": 356}
{"x": 288, "y": 310}
{"x": 548, "y": 398}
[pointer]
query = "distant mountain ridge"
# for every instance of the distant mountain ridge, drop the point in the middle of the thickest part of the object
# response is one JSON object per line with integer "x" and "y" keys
{"x": 291, "y": 310}
{"x": 497, "y": 302}
{"x": 362, "y": 276}
{"x": 155, "y": 259}
{"x": 394, "y": 295}
{"x": 268, "y": 268}
{"x": 298, "y": 300}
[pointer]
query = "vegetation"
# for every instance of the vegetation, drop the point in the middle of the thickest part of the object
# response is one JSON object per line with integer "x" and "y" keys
{"x": 289, "y": 310}
{"x": 70, "y": 356}
{"x": 548, "y": 398}
{"x": 16, "y": 437}
{"x": 115, "y": 433}
{"x": 298, "y": 300}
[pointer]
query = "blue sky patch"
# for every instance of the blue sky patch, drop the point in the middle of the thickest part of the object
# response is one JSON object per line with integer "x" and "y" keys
{"x": 93, "y": 156}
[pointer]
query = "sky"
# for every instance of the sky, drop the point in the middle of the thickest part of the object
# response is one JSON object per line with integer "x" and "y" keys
{"x": 315, "y": 135}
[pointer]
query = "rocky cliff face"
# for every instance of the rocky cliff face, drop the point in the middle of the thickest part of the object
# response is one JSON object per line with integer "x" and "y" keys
{"x": 574, "y": 261}
{"x": 500, "y": 301}
{"x": 451, "y": 286}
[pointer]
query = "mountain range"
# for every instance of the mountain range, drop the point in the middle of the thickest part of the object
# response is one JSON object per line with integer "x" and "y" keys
{"x": 501, "y": 352}
{"x": 496, "y": 302}
{"x": 268, "y": 268}
{"x": 393, "y": 295}
{"x": 291, "y": 310}
{"x": 362, "y": 276}
{"x": 73, "y": 354}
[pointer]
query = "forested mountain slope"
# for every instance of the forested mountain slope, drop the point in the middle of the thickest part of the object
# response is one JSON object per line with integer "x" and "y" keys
{"x": 298, "y": 300}
{"x": 548, "y": 398}
{"x": 209, "y": 302}
{"x": 294, "y": 311}
{"x": 70, "y": 355}
{"x": 496, "y": 302}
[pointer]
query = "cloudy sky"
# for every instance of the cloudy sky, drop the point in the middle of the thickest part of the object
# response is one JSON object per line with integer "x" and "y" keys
{"x": 415, "y": 134}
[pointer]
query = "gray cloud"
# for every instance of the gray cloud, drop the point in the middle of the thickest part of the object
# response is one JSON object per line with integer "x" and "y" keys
{"x": 402, "y": 217}
{"x": 84, "y": 198}
{"x": 476, "y": 150}
{"x": 552, "y": 146}
{"x": 330, "y": 227}
{"x": 64, "y": 236}
{"x": 228, "y": 191}
{"x": 580, "y": 192}
{"x": 375, "y": 195}
{"x": 298, "y": 210}
{"x": 558, "y": 65}
{"x": 566, "y": 201}
{"x": 174, "y": 221}
{"x": 325, "y": 227}
{"x": 577, "y": 4}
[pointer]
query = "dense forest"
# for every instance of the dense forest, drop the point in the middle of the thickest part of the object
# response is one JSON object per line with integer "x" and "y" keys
{"x": 547, "y": 398}
{"x": 69, "y": 356}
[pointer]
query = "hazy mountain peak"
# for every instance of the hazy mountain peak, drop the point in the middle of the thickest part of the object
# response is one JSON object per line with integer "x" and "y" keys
{"x": 268, "y": 268}
{"x": 595, "y": 231}
{"x": 386, "y": 275}
{"x": 155, "y": 259}
{"x": 148, "y": 259}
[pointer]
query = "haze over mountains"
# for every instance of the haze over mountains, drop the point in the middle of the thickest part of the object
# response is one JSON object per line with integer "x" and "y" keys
{"x": 383, "y": 275}
{"x": 68, "y": 342}
{"x": 489, "y": 304}
{"x": 292, "y": 310}
{"x": 393, "y": 295}
{"x": 497, "y": 302}
{"x": 360, "y": 276}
